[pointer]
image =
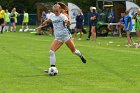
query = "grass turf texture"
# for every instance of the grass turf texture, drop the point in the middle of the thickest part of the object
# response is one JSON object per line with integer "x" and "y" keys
{"x": 111, "y": 67}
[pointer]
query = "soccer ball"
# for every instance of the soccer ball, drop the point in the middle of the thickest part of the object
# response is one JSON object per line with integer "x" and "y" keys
{"x": 52, "y": 71}
{"x": 20, "y": 30}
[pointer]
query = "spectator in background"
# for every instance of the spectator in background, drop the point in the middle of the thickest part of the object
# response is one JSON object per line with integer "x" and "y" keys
{"x": 43, "y": 16}
{"x": 121, "y": 24}
{"x": 128, "y": 27}
{"x": 91, "y": 12}
{"x": 50, "y": 25}
{"x": 12, "y": 20}
{"x": 2, "y": 19}
{"x": 94, "y": 19}
{"x": 137, "y": 27}
{"x": 25, "y": 20}
{"x": 79, "y": 24}
{"x": 111, "y": 19}
{"x": 16, "y": 15}
{"x": 7, "y": 15}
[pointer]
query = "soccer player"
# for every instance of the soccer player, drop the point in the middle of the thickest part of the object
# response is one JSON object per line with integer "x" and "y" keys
{"x": 2, "y": 19}
{"x": 12, "y": 20}
{"x": 25, "y": 20}
{"x": 62, "y": 35}
{"x": 137, "y": 27}
{"x": 7, "y": 14}
{"x": 16, "y": 15}
{"x": 128, "y": 26}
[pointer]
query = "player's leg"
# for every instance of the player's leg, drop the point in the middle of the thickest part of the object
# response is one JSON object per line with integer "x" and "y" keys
{"x": 80, "y": 34}
{"x": 22, "y": 26}
{"x": 128, "y": 37}
{"x": 27, "y": 25}
{"x": 14, "y": 26}
{"x": 75, "y": 32}
{"x": 2, "y": 25}
{"x": 89, "y": 34}
{"x": 93, "y": 30}
{"x": 7, "y": 26}
{"x": 71, "y": 46}
{"x": 138, "y": 35}
{"x": 55, "y": 45}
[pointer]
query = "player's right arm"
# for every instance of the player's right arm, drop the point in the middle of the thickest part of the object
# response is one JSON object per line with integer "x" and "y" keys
{"x": 46, "y": 21}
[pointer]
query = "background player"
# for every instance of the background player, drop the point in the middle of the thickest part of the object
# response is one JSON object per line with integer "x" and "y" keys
{"x": 2, "y": 19}
{"x": 25, "y": 20}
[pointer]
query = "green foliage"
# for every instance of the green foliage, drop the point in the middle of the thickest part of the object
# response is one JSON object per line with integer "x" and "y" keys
{"x": 30, "y": 5}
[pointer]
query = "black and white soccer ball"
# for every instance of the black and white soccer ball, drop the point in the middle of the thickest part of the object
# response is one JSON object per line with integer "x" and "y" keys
{"x": 52, "y": 71}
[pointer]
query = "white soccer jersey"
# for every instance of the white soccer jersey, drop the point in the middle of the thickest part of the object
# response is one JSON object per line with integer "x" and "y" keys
{"x": 60, "y": 30}
{"x": 48, "y": 15}
{"x": 58, "y": 21}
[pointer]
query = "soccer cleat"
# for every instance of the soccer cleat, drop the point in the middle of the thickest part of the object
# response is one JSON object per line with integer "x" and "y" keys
{"x": 83, "y": 59}
{"x": 46, "y": 71}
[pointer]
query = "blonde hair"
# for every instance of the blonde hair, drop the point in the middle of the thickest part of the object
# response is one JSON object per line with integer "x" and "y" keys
{"x": 56, "y": 6}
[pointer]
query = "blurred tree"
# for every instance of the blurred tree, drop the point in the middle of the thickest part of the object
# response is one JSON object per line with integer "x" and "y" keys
{"x": 30, "y": 5}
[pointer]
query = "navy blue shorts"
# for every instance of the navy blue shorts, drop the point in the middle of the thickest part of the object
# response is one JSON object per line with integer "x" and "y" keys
{"x": 94, "y": 24}
{"x": 79, "y": 26}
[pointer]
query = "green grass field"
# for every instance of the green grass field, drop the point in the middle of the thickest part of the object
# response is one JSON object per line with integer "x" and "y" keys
{"x": 111, "y": 67}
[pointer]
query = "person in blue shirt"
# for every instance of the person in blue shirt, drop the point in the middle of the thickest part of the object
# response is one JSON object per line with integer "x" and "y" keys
{"x": 94, "y": 19}
{"x": 111, "y": 19}
{"x": 128, "y": 26}
{"x": 121, "y": 24}
{"x": 79, "y": 24}
{"x": 93, "y": 22}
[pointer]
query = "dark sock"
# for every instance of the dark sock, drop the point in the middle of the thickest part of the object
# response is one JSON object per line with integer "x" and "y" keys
{"x": 52, "y": 65}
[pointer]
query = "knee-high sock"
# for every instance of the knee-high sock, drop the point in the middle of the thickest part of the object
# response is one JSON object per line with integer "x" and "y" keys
{"x": 7, "y": 28}
{"x": 52, "y": 58}
{"x": 2, "y": 29}
{"x": 22, "y": 28}
{"x": 78, "y": 53}
{"x": 11, "y": 28}
{"x": 27, "y": 27}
